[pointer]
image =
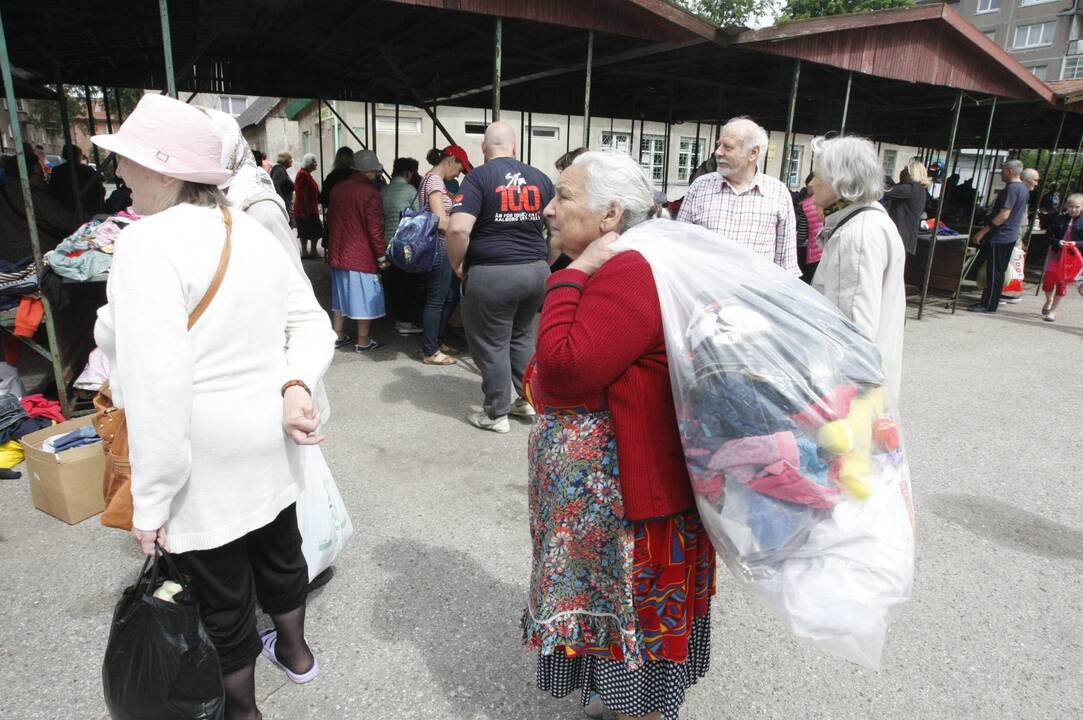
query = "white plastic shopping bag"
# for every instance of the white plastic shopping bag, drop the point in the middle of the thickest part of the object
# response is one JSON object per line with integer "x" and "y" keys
{"x": 792, "y": 443}
{"x": 321, "y": 515}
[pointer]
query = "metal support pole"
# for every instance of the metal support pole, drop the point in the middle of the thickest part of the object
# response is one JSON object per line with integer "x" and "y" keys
{"x": 90, "y": 125}
{"x": 695, "y": 151}
{"x": 319, "y": 131}
{"x": 105, "y": 107}
{"x": 372, "y": 106}
{"x": 939, "y": 209}
{"x": 974, "y": 204}
{"x": 1045, "y": 181}
{"x": 1056, "y": 184}
{"x": 120, "y": 111}
{"x": 529, "y": 135}
{"x": 667, "y": 135}
{"x": 498, "y": 51}
{"x": 522, "y": 135}
{"x": 435, "y": 124}
{"x": 396, "y": 131}
{"x": 846, "y": 102}
{"x": 568, "y": 135}
{"x": 31, "y": 217}
{"x": 989, "y": 183}
{"x": 789, "y": 123}
{"x": 167, "y": 49}
{"x": 586, "y": 90}
{"x": 65, "y": 124}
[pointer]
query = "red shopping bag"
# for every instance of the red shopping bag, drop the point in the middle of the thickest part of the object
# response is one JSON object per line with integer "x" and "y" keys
{"x": 1071, "y": 262}
{"x": 1013, "y": 278}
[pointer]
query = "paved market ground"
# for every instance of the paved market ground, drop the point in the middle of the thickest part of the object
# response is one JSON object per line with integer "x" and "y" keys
{"x": 421, "y": 619}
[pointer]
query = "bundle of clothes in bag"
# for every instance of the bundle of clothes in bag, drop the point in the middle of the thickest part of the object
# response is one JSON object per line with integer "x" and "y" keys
{"x": 791, "y": 440}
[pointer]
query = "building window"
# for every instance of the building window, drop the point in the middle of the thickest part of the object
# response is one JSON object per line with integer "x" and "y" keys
{"x": 793, "y": 169}
{"x": 407, "y": 126}
{"x": 991, "y": 34}
{"x": 1039, "y": 71}
{"x": 545, "y": 132}
{"x": 474, "y": 128}
{"x": 988, "y": 6}
{"x": 689, "y": 156}
{"x": 1073, "y": 68}
{"x": 1026, "y": 3}
{"x": 890, "y": 158}
{"x": 617, "y": 141}
{"x": 306, "y": 142}
{"x": 652, "y": 155}
{"x": 234, "y": 105}
{"x": 1033, "y": 36}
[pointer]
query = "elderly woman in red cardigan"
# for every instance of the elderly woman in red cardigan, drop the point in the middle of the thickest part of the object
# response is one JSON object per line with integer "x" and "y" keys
{"x": 306, "y": 207}
{"x": 623, "y": 570}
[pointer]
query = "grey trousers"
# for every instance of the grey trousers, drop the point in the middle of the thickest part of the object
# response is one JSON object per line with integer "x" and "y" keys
{"x": 499, "y": 308}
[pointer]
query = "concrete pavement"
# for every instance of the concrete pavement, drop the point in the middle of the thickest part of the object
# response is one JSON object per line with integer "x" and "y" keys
{"x": 421, "y": 619}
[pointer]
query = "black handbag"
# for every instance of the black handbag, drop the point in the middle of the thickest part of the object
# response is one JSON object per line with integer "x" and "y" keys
{"x": 160, "y": 663}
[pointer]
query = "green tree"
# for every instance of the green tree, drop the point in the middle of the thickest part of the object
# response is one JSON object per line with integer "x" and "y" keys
{"x": 803, "y": 9}
{"x": 726, "y": 13}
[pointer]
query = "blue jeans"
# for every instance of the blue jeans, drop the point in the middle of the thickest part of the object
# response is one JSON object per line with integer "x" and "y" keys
{"x": 437, "y": 309}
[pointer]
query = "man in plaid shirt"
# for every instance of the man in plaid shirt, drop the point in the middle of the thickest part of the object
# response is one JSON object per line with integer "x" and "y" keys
{"x": 741, "y": 203}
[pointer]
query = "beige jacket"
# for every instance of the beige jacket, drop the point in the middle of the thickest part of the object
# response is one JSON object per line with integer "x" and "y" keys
{"x": 861, "y": 271}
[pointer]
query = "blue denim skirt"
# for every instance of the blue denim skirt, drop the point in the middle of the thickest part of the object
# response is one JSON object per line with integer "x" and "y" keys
{"x": 357, "y": 295}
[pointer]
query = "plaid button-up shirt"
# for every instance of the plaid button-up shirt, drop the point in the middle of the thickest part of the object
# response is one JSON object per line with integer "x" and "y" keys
{"x": 761, "y": 218}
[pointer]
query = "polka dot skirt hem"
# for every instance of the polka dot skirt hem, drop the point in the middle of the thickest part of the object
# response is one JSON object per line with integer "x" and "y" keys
{"x": 656, "y": 686}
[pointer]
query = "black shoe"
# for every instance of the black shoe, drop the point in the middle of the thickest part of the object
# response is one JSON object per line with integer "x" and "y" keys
{"x": 979, "y": 309}
{"x": 322, "y": 579}
{"x": 343, "y": 341}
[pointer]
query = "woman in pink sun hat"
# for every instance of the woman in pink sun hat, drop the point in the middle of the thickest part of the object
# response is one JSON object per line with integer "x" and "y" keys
{"x": 213, "y": 405}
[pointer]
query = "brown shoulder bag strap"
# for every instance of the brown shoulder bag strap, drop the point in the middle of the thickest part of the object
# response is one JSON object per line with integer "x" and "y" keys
{"x": 223, "y": 263}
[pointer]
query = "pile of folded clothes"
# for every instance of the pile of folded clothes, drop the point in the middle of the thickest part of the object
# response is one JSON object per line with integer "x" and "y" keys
{"x": 88, "y": 252}
{"x": 17, "y": 278}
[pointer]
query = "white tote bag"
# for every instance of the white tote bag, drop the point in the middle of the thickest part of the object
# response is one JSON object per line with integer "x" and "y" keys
{"x": 321, "y": 514}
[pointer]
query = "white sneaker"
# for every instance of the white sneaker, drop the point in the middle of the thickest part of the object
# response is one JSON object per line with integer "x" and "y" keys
{"x": 407, "y": 328}
{"x": 483, "y": 421}
{"x": 522, "y": 408}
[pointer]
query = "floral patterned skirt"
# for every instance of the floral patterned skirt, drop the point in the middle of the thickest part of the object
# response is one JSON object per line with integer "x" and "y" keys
{"x": 605, "y": 592}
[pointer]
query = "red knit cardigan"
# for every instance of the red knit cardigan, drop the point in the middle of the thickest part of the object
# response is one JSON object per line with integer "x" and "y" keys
{"x": 355, "y": 219}
{"x": 608, "y": 339}
{"x": 306, "y": 195}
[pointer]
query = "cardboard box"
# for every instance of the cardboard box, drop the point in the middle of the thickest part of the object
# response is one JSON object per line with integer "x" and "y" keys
{"x": 67, "y": 485}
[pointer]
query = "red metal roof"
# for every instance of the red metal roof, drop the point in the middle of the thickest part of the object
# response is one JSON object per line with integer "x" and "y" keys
{"x": 646, "y": 19}
{"x": 930, "y": 44}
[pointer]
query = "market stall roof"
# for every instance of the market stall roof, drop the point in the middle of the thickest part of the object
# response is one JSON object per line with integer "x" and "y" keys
{"x": 651, "y": 60}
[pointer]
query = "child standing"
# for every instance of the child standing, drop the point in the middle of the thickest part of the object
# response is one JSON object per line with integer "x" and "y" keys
{"x": 1065, "y": 229}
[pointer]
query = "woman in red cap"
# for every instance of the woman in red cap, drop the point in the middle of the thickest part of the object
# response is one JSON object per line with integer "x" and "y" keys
{"x": 447, "y": 164}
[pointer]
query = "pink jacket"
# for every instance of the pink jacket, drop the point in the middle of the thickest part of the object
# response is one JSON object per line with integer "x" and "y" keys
{"x": 815, "y": 225}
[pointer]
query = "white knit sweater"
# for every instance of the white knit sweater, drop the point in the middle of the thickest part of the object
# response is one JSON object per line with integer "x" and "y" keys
{"x": 204, "y": 407}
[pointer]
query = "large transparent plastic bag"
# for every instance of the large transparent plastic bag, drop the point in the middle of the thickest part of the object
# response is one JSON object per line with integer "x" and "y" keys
{"x": 792, "y": 443}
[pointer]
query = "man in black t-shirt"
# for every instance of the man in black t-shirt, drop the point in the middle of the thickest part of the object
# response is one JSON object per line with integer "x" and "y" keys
{"x": 497, "y": 244}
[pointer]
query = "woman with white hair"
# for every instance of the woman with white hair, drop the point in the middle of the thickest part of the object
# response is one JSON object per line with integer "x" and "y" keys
{"x": 306, "y": 207}
{"x": 861, "y": 270}
{"x": 210, "y": 410}
{"x": 623, "y": 570}
{"x": 906, "y": 201}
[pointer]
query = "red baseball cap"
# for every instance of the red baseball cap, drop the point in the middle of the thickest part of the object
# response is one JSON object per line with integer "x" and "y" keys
{"x": 459, "y": 154}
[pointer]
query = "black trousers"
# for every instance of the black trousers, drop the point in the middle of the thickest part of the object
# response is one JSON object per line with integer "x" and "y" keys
{"x": 265, "y": 565}
{"x": 1000, "y": 255}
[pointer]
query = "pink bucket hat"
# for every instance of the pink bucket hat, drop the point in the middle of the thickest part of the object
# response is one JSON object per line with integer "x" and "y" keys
{"x": 171, "y": 138}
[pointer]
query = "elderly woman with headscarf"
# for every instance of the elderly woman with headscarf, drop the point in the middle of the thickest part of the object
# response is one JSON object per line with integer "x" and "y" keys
{"x": 861, "y": 269}
{"x": 211, "y": 410}
{"x": 623, "y": 569}
{"x": 306, "y": 206}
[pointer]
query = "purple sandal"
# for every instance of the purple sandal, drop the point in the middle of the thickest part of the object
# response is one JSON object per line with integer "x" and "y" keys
{"x": 269, "y": 639}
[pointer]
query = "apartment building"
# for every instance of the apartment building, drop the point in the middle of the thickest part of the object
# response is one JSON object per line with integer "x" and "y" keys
{"x": 1043, "y": 35}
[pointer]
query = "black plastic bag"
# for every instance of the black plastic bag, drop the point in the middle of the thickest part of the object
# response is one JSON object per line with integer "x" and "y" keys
{"x": 159, "y": 663}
